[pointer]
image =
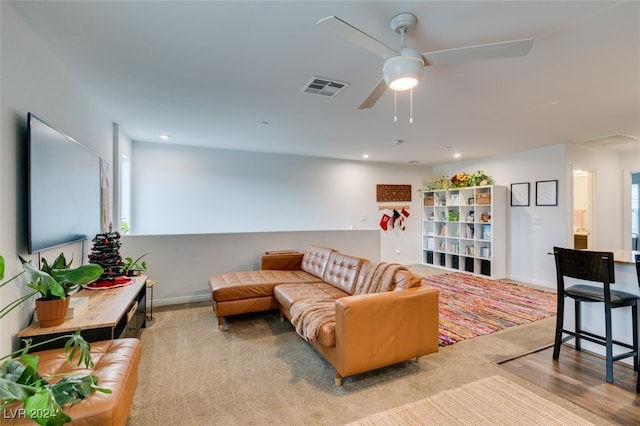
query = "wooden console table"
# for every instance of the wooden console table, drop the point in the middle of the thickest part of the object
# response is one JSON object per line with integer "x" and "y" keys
{"x": 109, "y": 314}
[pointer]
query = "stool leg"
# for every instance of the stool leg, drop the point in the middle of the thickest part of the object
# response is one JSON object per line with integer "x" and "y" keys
{"x": 636, "y": 348}
{"x": 559, "y": 327}
{"x": 578, "y": 327}
{"x": 609, "y": 342}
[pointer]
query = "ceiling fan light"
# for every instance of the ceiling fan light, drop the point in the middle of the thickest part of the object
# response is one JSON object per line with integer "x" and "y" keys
{"x": 402, "y": 72}
{"x": 403, "y": 83}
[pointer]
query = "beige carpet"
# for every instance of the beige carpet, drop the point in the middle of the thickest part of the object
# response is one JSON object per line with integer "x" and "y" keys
{"x": 490, "y": 401}
{"x": 261, "y": 372}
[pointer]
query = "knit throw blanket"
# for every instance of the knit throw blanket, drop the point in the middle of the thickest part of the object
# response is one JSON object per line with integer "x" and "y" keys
{"x": 379, "y": 277}
{"x": 308, "y": 315}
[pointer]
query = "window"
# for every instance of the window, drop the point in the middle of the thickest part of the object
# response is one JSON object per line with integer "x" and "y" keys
{"x": 125, "y": 195}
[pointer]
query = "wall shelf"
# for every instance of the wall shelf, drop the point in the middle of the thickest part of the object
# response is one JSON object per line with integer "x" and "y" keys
{"x": 464, "y": 229}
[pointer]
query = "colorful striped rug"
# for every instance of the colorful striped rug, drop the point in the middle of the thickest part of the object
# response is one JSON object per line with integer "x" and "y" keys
{"x": 471, "y": 306}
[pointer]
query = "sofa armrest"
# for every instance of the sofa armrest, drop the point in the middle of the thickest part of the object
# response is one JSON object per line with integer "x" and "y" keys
{"x": 281, "y": 260}
{"x": 380, "y": 329}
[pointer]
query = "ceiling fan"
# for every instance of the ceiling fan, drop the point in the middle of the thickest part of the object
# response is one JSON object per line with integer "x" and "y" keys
{"x": 403, "y": 67}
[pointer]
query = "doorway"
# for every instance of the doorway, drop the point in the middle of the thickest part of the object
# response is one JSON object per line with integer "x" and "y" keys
{"x": 583, "y": 222}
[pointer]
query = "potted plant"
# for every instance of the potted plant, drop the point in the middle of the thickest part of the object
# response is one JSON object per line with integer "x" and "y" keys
{"x": 54, "y": 282}
{"x": 134, "y": 267}
{"x": 20, "y": 381}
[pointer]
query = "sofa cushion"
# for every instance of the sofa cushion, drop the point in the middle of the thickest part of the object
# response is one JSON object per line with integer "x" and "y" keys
{"x": 116, "y": 366}
{"x": 288, "y": 261}
{"x": 288, "y": 294}
{"x": 250, "y": 284}
{"x": 315, "y": 260}
{"x": 343, "y": 270}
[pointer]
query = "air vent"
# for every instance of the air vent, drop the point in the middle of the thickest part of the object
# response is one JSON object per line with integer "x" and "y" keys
{"x": 324, "y": 87}
{"x": 615, "y": 142}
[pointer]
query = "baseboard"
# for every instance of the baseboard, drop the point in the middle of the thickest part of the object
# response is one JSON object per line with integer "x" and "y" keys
{"x": 181, "y": 300}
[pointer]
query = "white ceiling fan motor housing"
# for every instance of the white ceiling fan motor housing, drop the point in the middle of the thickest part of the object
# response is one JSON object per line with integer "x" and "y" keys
{"x": 402, "y": 72}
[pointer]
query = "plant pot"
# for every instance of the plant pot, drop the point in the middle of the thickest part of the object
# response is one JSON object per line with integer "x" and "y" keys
{"x": 52, "y": 312}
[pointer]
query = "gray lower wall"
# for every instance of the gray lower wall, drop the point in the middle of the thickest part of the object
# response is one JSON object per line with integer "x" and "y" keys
{"x": 182, "y": 264}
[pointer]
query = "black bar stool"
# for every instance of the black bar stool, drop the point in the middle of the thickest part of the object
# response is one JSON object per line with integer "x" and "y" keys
{"x": 596, "y": 267}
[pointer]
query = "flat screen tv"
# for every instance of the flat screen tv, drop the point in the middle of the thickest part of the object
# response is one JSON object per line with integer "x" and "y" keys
{"x": 63, "y": 188}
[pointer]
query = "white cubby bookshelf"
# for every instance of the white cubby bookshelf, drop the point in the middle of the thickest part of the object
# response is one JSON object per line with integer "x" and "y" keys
{"x": 464, "y": 229}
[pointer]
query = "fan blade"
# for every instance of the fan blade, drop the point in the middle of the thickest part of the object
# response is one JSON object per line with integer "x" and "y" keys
{"x": 357, "y": 37}
{"x": 504, "y": 49}
{"x": 374, "y": 95}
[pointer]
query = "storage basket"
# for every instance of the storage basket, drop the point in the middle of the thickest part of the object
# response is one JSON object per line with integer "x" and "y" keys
{"x": 428, "y": 200}
{"x": 483, "y": 198}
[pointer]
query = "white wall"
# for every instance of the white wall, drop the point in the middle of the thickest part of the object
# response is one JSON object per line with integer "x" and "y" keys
{"x": 608, "y": 205}
{"x": 182, "y": 264}
{"x": 528, "y": 243}
{"x": 190, "y": 190}
{"x": 32, "y": 80}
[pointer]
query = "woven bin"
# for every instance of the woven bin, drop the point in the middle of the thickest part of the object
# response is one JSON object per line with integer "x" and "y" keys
{"x": 483, "y": 198}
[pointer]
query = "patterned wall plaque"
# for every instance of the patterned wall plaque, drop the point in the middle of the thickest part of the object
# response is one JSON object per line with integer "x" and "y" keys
{"x": 393, "y": 193}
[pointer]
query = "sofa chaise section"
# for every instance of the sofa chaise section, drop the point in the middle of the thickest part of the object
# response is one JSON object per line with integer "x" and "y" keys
{"x": 243, "y": 292}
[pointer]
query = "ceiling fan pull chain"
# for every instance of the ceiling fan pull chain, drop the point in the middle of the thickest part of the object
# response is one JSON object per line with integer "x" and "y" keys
{"x": 395, "y": 106}
{"x": 410, "y": 105}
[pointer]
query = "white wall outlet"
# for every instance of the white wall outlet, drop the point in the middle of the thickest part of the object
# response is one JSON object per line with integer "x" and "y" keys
{"x": 536, "y": 220}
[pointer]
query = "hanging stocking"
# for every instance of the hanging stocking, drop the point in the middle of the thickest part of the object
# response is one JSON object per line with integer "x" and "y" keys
{"x": 404, "y": 212}
{"x": 400, "y": 223}
{"x": 395, "y": 218}
{"x": 384, "y": 221}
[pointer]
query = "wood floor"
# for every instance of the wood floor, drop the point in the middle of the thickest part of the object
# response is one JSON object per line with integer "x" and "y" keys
{"x": 579, "y": 377}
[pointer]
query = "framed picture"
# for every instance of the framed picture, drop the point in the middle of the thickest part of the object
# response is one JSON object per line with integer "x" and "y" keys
{"x": 547, "y": 193}
{"x": 520, "y": 194}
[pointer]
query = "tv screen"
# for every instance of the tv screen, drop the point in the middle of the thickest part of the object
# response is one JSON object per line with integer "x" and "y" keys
{"x": 64, "y": 188}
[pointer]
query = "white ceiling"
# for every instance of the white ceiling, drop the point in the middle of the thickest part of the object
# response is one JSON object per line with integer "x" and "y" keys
{"x": 212, "y": 73}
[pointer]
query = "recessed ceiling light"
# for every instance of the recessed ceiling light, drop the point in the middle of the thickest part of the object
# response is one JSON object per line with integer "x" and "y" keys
{"x": 165, "y": 137}
{"x": 365, "y": 156}
{"x": 457, "y": 155}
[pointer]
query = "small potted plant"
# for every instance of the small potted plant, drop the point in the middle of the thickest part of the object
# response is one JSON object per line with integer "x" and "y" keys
{"x": 132, "y": 267}
{"x": 54, "y": 282}
{"x": 480, "y": 178}
{"x": 20, "y": 382}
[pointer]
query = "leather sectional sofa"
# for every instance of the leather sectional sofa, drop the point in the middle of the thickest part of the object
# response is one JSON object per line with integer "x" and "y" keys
{"x": 358, "y": 314}
{"x": 115, "y": 365}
